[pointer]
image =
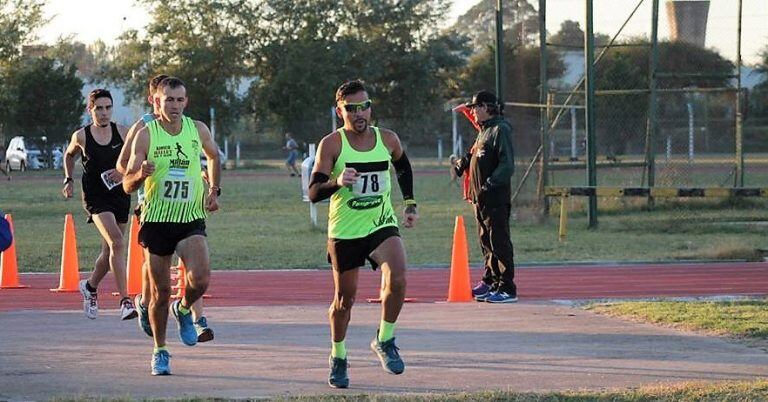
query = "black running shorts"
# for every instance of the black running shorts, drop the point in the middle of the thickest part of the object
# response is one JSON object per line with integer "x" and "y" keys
{"x": 346, "y": 254}
{"x": 161, "y": 238}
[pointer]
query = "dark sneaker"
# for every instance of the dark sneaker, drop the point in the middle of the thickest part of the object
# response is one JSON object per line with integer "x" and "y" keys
{"x": 161, "y": 363}
{"x": 204, "y": 334}
{"x": 338, "y": 377}
{"x": 187, "y": 332}
{"x": 501, "y": 297}
{"x": 127, "y": 309}
{"x": 481, "y": 289}
{"x": 143, "y": 316}
{"x": 90, "y": 300}
{"x": 388, "y": 354}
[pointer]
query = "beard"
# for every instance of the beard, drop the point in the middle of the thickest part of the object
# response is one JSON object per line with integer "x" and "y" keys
{"x": 360, "y": 125}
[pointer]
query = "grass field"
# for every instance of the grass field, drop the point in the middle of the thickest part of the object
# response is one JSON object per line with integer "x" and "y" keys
{"x": 731, "y": 391}
{"x": 740, "y": 319}
{"x": 264, "y": 224}
{"x": 689, "y": 392}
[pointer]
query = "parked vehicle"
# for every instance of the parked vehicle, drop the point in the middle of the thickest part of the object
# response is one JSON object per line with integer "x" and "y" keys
{"x": 21, "y": 154}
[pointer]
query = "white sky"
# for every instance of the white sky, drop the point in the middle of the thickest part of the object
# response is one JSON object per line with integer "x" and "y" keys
{"x": 89, "y": 20}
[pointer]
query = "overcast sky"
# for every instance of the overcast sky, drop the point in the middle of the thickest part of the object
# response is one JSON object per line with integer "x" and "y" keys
{"x": 89, "y": 20}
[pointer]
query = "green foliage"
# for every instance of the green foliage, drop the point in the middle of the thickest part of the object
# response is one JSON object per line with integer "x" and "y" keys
{"x": 18, "y": 21}
{"x": 87, "y": 59}
{"x": 758, "y": 100}
{"x": 46, "y": 99}
{"x": 520, "y": 24}
{"x": 313, "y": 46}
{"x": 674, "y": 57}
{"x": 205, "y": 43}
{"x": 571, "y": 35}
{"x": 521, "y": 77}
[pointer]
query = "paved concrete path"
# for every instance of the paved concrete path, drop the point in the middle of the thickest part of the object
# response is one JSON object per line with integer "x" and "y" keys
{"x": 283, "y": 350}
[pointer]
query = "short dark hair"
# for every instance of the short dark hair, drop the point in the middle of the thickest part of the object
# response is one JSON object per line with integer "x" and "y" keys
{"x": 349, "y": 88}
{"x": 170, "y": 82}
{"x": 96, "y": 94}
{"x": 154, "y": 82}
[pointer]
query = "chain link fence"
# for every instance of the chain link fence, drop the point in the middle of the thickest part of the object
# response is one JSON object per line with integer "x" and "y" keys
{"x": 694, "y": 142}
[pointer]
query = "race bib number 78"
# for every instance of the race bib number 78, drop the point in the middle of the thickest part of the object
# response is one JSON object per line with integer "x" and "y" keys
{"x": 371, "y": 183}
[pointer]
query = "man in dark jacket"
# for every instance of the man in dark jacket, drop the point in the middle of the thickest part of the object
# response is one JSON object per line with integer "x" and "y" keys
{"x": 491, "y": 165}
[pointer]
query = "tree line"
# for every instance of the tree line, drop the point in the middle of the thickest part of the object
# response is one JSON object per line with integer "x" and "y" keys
{"x": 270, "y": 66}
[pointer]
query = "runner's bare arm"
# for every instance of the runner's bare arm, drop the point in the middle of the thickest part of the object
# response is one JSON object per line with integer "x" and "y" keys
{"x": 139, "y": 168}
{"x": 320, "y": 184}
{"x": 125, "y": 152}
{"x": 73, "y": 149}
{"x": 211, "y": 151}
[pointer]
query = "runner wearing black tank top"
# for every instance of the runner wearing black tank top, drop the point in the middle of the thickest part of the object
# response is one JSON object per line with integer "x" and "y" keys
{"x": 104, "y": 200}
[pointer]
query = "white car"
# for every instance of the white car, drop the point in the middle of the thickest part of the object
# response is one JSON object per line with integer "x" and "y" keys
{"x": 21, "y": 155}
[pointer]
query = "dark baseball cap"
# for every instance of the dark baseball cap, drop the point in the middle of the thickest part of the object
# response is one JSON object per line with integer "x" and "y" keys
{"x": 482, "y": 98}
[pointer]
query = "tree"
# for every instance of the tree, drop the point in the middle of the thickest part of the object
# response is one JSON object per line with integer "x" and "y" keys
{"x": 47, "y": 98}
{"x": 521, "y": 75}
{"x": 571, "y": 35}
{"x": 758, "y": 100}
{"x": 205, "y": 43}
{"x": 18, "y": 21}
{"x": 520, "y": 24}
{"x": 73, "y": 53}
{"x": 621, "y": 122}
{"x": 312, "y": 46}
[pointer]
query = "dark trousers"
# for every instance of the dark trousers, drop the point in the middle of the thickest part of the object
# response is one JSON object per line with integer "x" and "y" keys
{"x": 493, "y": 230}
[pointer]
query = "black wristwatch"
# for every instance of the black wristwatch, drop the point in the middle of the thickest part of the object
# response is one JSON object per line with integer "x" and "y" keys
{"x": 68, "y": 180}
{"x": 218, "y": 190}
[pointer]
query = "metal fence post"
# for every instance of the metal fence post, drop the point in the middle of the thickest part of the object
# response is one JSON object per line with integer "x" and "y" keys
{"x": 589, "y": 61}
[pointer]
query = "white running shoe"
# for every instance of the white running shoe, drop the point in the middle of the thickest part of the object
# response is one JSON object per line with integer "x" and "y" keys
{"x": 127, "y": 309}
{"x": 90, "y": 302}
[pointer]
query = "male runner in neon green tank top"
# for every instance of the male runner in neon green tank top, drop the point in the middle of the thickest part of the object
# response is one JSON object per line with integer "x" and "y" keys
{"x": 204, "y": 333}
{"x": 165, "y": 159}
{"x": 352, "y": 168}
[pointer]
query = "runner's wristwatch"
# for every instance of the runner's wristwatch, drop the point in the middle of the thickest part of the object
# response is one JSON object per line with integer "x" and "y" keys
{"x": 68, "y": 180}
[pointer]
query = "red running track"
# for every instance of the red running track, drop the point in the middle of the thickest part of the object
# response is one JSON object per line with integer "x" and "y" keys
{"x": 301, "y": 287}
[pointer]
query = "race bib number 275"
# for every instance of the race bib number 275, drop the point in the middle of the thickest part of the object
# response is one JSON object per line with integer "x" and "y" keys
{"x": 176, "y": 190}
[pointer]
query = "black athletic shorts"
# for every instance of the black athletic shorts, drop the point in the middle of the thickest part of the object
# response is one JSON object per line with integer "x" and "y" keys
{"x": 120, "y": 207}
{"x": 161, "y": 238}
{"x": 346, "y": 254}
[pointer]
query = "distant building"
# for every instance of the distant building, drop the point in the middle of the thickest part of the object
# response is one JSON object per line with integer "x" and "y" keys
{"x": 688, "y": 21}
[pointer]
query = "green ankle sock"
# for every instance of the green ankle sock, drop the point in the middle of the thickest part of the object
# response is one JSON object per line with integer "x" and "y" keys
{"x": 159, "y": 348}
{"x": 386, "y": 331}
{"x": 182, "y": 309}
{"x": 339, "y": 350}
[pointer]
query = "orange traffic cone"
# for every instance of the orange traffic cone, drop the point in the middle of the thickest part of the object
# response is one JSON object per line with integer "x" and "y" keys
{"x": 181, "y": 280}
{"x": 135, "y": 259}
{"x": 70, "y": 267}
{"x": 9, "y": 271}
{"x": 459, "y": 287}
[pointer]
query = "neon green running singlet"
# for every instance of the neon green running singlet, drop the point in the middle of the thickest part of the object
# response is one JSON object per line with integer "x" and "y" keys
{"x": 174, "y": 192}
{"x": 359, "y": 210}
